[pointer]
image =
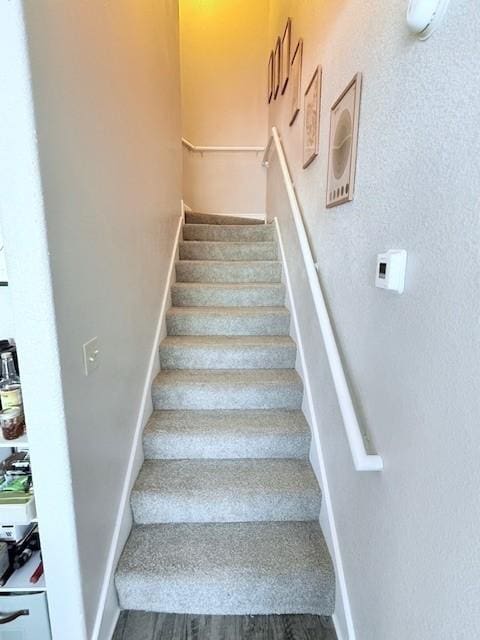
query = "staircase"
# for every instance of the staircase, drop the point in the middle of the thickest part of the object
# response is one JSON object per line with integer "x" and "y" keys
{"x": 226, "y": 504}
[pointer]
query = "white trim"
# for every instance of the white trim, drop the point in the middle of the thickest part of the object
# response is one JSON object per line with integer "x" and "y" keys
{"x": 326, "y": 496}
{"x": 115, "y": 622}
{"x": 362, "y": 460}
{"x": 337, "y": 627}
{"x": 202, "y": 149}
{"x": 185, "y": 208}
{"x": 143, "y": 415}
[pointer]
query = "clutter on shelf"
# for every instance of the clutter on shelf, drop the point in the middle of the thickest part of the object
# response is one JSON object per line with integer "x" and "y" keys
{"x": 18, "y": 541}
{"x": 12, "y": 420}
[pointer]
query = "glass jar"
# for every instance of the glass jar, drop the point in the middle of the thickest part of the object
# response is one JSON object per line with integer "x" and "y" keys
{"x": 12, "y": 423}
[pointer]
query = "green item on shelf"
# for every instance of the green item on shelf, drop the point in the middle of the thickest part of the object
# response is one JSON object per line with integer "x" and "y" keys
{"x": 18, "y": 484}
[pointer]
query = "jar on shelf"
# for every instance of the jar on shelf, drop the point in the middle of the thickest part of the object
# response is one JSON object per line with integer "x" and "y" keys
{"x": 12, "y": 423}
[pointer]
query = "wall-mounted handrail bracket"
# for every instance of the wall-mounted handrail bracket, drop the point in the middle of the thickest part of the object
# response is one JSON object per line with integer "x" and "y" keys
{"x": 362, "y": 460}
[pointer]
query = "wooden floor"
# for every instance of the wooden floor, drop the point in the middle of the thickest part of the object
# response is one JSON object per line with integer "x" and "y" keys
{"x": 139, "y": 625}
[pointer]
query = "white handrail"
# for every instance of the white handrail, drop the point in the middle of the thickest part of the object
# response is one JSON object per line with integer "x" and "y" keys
{"x": 362, "y": 460}
{"x": 186, "y": 143}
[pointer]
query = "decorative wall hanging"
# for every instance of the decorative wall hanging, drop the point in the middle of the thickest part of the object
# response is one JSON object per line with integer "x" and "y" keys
{"x": 311, "y": 121}
{"x": 277, "y": 68}
{"x": 296, "y": 82}
{"x": 286, "y": 52}
{"x": 270, "y": 78}
{"x": 342, "y": 153}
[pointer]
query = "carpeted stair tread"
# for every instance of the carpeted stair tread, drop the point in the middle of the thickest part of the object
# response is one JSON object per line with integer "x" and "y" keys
{"x": 228, "y": 321}
{"x": 228, "y": 271}
{"x": 192, "y": 217}
{"x": 227, "y": 389}
{"x": 227, "y": 352}
{"x": 208, "y": 294}
{"x": 242, "y": 251}
{"x": 229, "y": 233}
{"x": 226, "y": 434}
{"x": 225, "y": 491}
{"x": 227, "y": 569}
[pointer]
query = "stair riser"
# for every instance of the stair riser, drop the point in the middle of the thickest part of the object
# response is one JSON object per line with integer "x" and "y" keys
{"x": 238, "y": 593}
{"x": 228, "y": 233}
{"x": 211, "y": 296}
{"x": 211, "y": 396}
{"x": 181, "y": 446}
{"x": 208, "y": 325}
{"x": 211, "y": 218}
{"x": 196, "y": 271}
{"x": 155, "y": 508}
{"x": 227, "y": 358}
{"x": 228, "y": 251}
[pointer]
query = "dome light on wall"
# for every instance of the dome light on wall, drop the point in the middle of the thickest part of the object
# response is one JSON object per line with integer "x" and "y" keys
{"x": 424, "y": 16}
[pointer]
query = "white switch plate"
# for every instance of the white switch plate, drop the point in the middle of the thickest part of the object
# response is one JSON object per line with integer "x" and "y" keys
{"x": 91, "y": 356}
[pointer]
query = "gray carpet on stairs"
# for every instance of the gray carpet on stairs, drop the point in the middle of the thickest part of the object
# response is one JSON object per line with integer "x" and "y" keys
{"x": 228, "y": 321}
{"x": 227, "y": 352}
{"x": 226, "y": 434}
{"x": 240, "y": 490}
{"x": 234, "y": 568}
{"x": 192, "y": 217}
{"x": 226, "y": 504}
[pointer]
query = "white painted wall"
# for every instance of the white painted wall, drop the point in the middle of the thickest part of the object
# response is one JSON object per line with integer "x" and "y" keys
{"x": 106, "y": 93}
{"x": 223, "y": 53}
{"x": 31, "y": 302}
{"x": 408, "y": 534}
{"x": 6, "y": 312}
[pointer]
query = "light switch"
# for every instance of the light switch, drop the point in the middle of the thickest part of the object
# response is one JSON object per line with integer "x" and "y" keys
{"x": 91, "y": 356}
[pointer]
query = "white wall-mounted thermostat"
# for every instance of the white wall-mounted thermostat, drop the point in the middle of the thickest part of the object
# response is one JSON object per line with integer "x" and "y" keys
{"x": 424, "y": 16}
{"x": 391, "y": 267}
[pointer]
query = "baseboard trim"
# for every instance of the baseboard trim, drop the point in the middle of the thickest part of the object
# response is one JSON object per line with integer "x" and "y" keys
{"x": 336, "y": 625}
{"x": 326, "y": 496}
{"x": 143, "y": 415}
{"x": 113, "y": 626}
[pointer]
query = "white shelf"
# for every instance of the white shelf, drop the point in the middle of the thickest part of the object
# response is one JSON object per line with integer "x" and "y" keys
{"x": 21, "y": 442}
{"x": 19, "y": 581}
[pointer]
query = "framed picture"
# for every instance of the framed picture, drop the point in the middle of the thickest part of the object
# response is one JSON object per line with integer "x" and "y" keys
{"x": 296, "y": 84}
{"x": 277, "y": 68}
{"x": 342, "y": 153}
{"x": 270, "y": 78}
{"x": 285, "y": 57}
{"x": 311, "y": 121}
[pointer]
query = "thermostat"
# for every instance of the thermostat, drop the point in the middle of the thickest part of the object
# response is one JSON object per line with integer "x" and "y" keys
{"x": 391, "y": 268}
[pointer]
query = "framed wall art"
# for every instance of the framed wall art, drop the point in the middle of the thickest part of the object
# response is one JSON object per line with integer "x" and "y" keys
{"x": 311, "y": 122}
{"x": 286, "y": 52}
{"x": 296, "y": 82}
{"x": 342, "y": 153}
{"x": 277, "y": 68}
{"x": 270, "y": 78}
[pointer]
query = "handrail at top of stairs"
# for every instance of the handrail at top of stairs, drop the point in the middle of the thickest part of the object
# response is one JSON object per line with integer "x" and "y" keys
{"x": 189, "y": 145}
{"x": 362, "y": 460}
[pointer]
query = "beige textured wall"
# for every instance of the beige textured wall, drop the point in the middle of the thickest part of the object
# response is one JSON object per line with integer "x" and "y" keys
{"x": 223, "y": 52}
{"x": 408, "y": 535}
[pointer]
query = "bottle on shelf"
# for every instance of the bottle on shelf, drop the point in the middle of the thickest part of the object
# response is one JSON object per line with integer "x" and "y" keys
{"x": 12, "y": 420}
